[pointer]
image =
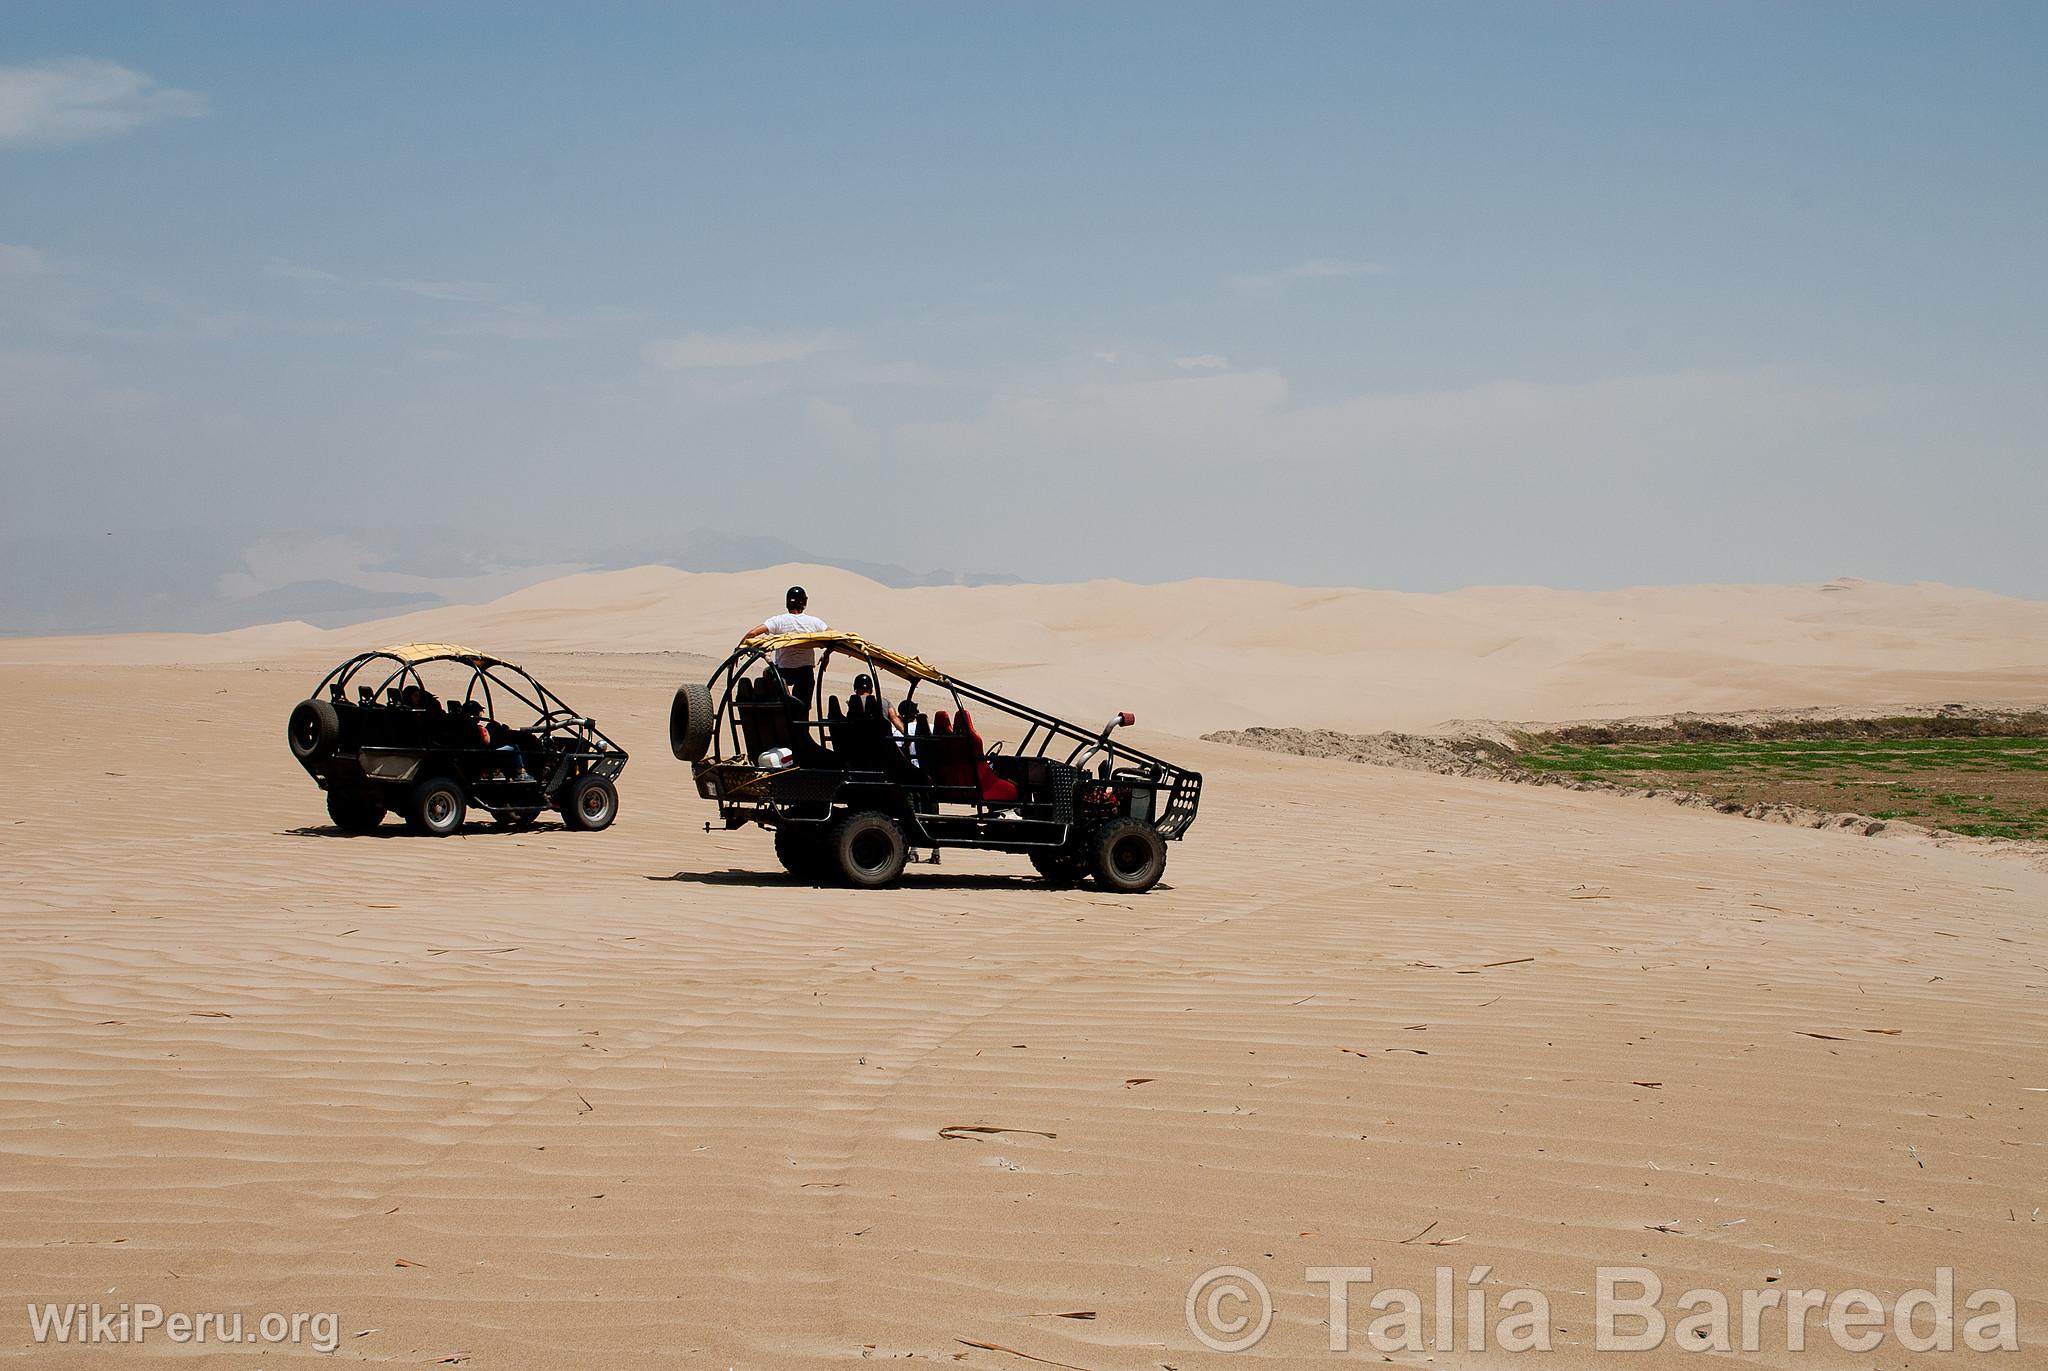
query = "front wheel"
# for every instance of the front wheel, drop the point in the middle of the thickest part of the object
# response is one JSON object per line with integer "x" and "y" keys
{"x": 1127, "y": 856}
{"x": 354, "y": 813}
{"x": 436, "y": 806}
{"x": 868, "y": 849}
{"x": 1062, "y": 866}
{"x": 591, "y": 805}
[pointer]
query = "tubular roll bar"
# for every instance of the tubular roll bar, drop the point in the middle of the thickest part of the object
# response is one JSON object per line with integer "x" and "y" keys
{"x": 484, "y": 673}
{"x": 726, "y": 718}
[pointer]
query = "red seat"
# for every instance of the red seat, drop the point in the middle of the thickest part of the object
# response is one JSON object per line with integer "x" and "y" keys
{"x": 994, "y": 789}
{"x": 948, "y": 761}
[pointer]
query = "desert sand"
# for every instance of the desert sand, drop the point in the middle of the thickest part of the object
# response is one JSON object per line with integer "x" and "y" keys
{"x": 1199, "y": 655}
{"x": 546, "y": 1099}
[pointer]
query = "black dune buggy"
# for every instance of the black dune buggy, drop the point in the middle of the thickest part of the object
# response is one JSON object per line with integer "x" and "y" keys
{"x": 848, "y": 793}
{"x": 377, "y": 739}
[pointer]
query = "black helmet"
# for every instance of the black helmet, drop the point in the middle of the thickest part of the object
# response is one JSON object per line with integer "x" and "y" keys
{"x": 863, "y": 682}
{"x": 796, "y": 598}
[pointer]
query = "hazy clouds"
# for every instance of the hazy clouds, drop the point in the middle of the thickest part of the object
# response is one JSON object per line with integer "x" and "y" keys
{"x": 1392, "y": 306}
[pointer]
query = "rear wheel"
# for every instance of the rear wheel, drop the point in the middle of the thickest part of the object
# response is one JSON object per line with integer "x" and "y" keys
{"x": 689, "y": 723}
{"x": 436, "y": 806}
{"x": 591, "y": 805}
{"x": 314, "y": 730}
{"x": 867, "y": 849}
{"x": 354, "y": 813}
{"x": 802, "y": 852}
{"x": 1127, "y": 856}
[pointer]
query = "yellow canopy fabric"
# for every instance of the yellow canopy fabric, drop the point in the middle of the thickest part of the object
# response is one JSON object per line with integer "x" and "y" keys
{"x": 420, "y": 652}
{"x": 909, "y": 668}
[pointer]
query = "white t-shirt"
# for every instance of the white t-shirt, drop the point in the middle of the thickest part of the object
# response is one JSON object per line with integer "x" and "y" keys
{"x": 786, "y": 657}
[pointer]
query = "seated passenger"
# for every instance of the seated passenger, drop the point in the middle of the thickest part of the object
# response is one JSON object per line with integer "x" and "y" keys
{"x": 497, "y": 741}
{"x": 906, "y": 730}
{"x": 863, "y": 686}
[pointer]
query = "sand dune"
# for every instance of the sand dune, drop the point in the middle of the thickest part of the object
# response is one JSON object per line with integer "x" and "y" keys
{"x": 545, "y": 1099}
{"x": 1198, "y": 655}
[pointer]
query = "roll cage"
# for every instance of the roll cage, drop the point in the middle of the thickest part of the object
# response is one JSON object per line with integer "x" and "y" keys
{"x": 1074, "y": 764}
{"x": 392, "y": 669}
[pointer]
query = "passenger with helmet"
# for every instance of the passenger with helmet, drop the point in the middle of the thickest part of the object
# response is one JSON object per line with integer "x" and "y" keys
{"x": 863, "y": 686}
{"x": 797, "y": 666}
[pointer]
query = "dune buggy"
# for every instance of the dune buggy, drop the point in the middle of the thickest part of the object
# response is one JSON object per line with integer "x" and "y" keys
{"x": 848, "y": 793}
{"x": 376, "y": 738}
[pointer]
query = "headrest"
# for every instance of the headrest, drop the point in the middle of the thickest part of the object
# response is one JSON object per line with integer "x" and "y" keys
{"x": 832, "y": 710}
{"x": 942, "y": 722}
{"x": 743, "y": 689}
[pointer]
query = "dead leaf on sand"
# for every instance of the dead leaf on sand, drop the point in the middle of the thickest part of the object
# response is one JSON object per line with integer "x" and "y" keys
{"x": 968, "y": 1130}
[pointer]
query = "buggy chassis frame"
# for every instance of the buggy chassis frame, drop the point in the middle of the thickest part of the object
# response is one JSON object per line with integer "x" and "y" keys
{"x": 1059, "y": 794}
{"x": 572, "y": 742}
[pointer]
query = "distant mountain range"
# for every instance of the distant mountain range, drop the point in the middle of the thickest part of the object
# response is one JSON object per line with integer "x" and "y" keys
{"x": 125, "y": 581}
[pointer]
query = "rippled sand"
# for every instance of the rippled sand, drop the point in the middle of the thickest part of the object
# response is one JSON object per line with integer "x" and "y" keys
{"x": 635, "y": 1099}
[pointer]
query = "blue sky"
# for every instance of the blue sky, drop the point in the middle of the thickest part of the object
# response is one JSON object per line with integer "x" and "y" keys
{"x": 1398, "y": 295}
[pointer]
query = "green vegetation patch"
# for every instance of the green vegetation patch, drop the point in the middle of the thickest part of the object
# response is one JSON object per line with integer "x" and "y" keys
{"x": 1990, "y": 786}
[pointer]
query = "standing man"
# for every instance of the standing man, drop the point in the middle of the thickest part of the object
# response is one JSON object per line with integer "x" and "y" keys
{"x": 796, "y": 665}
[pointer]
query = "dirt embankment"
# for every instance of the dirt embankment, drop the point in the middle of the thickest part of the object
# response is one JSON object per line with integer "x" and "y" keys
{"x": 1742, "y": 763}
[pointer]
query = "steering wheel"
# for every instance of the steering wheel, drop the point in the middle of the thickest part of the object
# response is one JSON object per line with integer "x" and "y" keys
{"x": 553, "y": 719}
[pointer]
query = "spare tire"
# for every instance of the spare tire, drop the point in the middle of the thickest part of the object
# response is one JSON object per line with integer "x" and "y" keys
{"x": 689, "y": 723}
{"x": 314, "y": 731}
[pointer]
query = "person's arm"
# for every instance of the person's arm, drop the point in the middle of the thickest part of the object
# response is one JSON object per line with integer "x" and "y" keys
{"x": 758, "y": 630}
